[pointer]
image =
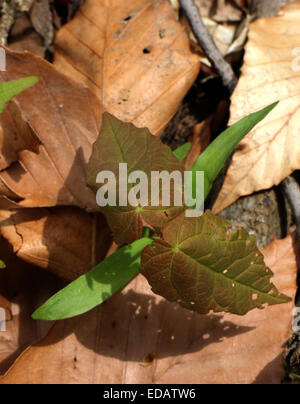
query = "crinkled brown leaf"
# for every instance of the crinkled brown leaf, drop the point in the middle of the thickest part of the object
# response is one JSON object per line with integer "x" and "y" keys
{"x": 66, "y": 240}
{"x": 121, "y": 142}
{"x": 138, "y": 337}
{"x": 46, "y": 137}
{"x": 204, "y": 264}
{"x": 22, "y": 288}
{"x": 133, "y": 55}
{"x": 271, "y": 151}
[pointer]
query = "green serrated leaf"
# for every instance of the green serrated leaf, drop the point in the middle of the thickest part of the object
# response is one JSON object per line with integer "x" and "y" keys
{"x": 181, "y": 152}
{"x": 203, "y": 264}
{"x": 96, "y": 286}
{"x": 212, "y": 160}
{"x": 121, "y": 142}
{"x": 9, "y": 89}
{"x": 2, "y": 265}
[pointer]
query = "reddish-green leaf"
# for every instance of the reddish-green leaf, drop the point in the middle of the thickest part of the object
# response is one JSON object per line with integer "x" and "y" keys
{"x": 121, "y": 142}
{"x": 204, "y": 264}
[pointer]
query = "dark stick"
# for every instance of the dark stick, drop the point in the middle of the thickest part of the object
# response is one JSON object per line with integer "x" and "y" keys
{"x": 291, "y": 189}
{"x": 208, "y": 45}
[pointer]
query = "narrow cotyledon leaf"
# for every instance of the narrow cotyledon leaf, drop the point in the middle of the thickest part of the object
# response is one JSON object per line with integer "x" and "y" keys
{"x": 9, "y": 89}
{"x": 96, "y": 286}
{"x": 181, "y": 152}
{"x": 212, "y": 160}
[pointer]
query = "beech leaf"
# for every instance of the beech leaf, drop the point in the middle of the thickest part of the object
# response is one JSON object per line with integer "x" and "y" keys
{"x": 270, "y": 152}
{"x": 204, "y": 264}
{"x": 139, "y": 337}
{"x": 55, "y": 124}
{"x": 62, "y": 240}
{"x": 121, "y": 142}
{"x": 133, "y": 55}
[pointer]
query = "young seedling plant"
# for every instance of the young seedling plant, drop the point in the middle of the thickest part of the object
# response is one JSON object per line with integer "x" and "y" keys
{"x": 202, "y": 263}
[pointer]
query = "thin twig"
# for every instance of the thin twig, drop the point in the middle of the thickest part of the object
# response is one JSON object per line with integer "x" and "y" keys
{"x": 208, "y": 45}
{"x": 291, "y": 189}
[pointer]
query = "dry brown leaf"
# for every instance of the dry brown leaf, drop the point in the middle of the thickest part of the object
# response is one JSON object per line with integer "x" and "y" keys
{"x": 200, "y": 140}
{"x": 23, "y": 37}
{"x": 137, "y": 337}
{"x": 42, "y": 20}
{"x": 133, "y": 55}
{"x": 66, "y": 240}
{"x": 227, "y": 11}
{"x": 46, "y": 137}
{"x": 22, "y": 288}
{"x": 272, "y": 150}
{"x": 267, "y": 8}
{"x": 9, "y": 11}
{"x": 56, "y": 121}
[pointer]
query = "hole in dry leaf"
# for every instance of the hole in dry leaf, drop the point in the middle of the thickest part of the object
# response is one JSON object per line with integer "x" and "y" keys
{"x": 162, "y": 33}
{"x": 117, "y": 34}
{"x": 147, "y": 50}
{"x": 272, "y": 292}
{"x": 241, "y": 147}
{"x": 128, "y": 18}
{"x": 138, "y": 310}
{"x": 149, "y": 359}
{"x": 206, "y": 336}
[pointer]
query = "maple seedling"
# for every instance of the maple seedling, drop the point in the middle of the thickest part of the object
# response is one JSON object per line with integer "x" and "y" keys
{"x": 201, "y": 263}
